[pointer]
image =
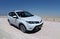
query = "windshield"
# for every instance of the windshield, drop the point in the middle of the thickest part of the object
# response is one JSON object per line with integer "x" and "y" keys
{"x": 24, "y": 14}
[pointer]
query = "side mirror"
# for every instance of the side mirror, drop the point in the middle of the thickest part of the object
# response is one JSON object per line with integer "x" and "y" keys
{"x": 15, "y": 17}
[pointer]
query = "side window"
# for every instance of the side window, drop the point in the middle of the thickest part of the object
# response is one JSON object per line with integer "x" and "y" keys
{"x": 21, "y": 14}
{"x": 12, "y": 14}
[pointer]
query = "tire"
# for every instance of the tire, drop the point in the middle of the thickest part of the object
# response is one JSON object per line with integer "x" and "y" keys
{"x": 22, "y": 28}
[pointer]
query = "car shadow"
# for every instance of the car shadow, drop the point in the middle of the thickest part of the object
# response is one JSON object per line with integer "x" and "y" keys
{"x": 29, "y": 32}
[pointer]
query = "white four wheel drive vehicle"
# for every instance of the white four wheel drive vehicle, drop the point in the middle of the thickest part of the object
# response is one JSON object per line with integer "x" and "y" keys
{"x": 25, "y": 21}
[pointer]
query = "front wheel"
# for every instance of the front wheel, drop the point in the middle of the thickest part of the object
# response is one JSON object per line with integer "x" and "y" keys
{"x": 22, "y": 28}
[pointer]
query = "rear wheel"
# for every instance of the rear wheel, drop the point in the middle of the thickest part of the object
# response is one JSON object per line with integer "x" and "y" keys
{"x": 22, "y": 28}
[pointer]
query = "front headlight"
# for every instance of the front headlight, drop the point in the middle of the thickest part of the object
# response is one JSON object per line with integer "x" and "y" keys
{"x": 40, "y": 21}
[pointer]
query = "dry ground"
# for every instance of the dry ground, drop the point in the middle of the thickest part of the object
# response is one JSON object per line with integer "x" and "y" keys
{"x": 50, "y": 30}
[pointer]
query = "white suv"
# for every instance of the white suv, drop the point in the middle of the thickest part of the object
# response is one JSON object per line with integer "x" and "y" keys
{"x": 25, "y": 21}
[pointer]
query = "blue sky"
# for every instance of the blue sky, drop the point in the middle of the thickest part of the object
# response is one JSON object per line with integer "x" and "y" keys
{"x": 39, "y": 7}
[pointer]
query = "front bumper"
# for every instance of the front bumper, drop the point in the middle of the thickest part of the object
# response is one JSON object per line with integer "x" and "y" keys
{"x": 38, "y": 27}
{"x": 32, "y": 27}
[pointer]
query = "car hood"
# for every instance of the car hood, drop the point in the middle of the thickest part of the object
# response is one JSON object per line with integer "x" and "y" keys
{"x": 32, "y": 18}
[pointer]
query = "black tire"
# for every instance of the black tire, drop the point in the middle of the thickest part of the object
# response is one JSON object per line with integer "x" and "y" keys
{"x": 22, "y": 28}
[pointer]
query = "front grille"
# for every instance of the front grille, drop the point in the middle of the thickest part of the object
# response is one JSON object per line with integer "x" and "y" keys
{"x": 38, "y": 27}
{"x": 36, "y": 22}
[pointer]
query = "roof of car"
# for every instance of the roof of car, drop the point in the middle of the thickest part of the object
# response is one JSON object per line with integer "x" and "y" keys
{"x": 18, "y": 10}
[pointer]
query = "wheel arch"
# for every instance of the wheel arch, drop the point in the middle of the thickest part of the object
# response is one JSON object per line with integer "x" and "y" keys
{"x": 22, "y": 24}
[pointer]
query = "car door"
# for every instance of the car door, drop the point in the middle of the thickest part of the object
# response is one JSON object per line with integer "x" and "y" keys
{"x": 11, "y": 17}
{"x": 14, "y": 18}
